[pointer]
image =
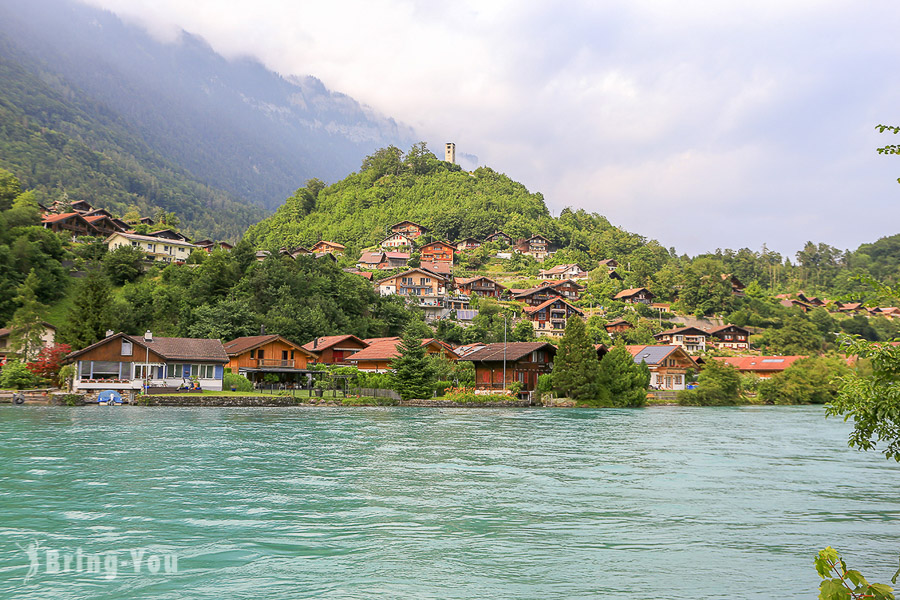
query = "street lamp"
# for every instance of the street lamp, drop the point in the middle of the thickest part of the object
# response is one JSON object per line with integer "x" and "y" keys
{"x": 148, "y": 337}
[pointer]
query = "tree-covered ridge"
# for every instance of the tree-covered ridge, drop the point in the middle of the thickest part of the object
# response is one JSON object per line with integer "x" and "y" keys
{"x": 61, "y": 145}
{"x": 392, "y": 187}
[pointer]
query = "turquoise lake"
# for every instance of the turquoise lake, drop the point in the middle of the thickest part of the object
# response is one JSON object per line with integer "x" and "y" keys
{"x": 406, "y": 503}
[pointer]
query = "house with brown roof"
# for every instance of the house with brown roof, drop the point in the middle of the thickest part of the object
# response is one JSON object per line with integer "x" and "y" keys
{"x": 381, "y": 352}
{"x": 124, "y": 362}
{"x": 371, "y": 260}
{"x": 692, "y": 339}
{"x": 335, "y": 349}
{"x": 256, "y": 356}
{"x": 668, "y": 365}
{"x": 737, "y": 288}
{"x": 618, "y": 326}
{"x": 441, "y": 269}
{"x": 763, "y": 366}
{"x": 635, "y": 296}
{"x": 570, "y": 289}
{"x": 478, "y": 286}
{"x": 420, "y": 286}
{"x": 499, "y": 236}
{"x": 409, "y": 229}
{"x": 537, "y": 246}
{"x": 103, "y": 224}
{"x": 438, "y": 252}
{"x": 325, "y": 247}
{"x": 609, "y": 263}
{"x": 498, "y": 365}
{"x": 169, "y": 234}
{"x": 536, "y": 295}
{"x": 549, "y": 318}
{"x": 467, "y": 244}
{"x": 730, "y": 336}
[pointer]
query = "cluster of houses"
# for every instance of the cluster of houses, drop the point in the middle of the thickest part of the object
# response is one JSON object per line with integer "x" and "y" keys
{"x": 807, "y": 303}
{"x": 81, "y": 219}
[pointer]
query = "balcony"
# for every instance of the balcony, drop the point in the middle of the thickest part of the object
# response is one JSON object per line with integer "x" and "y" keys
{"x": 274, "y": 362}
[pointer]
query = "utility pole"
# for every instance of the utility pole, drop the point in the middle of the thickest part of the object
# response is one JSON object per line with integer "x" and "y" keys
{"x": 504, "y": 351}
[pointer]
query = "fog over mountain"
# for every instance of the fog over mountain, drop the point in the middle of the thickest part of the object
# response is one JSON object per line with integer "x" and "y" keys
{"x": 233, "y": 124}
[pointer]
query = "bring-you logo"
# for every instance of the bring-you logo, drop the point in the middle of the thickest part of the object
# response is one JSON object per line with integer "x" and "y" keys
{"x": 108, "y": 564}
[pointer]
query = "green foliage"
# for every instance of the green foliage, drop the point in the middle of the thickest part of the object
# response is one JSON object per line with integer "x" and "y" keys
{"x": 468, "y": 396}
{"x": 124, "y": 264}
{"x": 576, "y": 370}
{"x": 796, "y": 336}
{"x": 27, "y": 323}
{"x": 412, "y": 369}
{"x": 871, "y": 402}
{"x": 807, "y": 381}
{"x": 622, "y": 382}
{"x": 92, "y": 313}
{"x": 236, "y": 382}
{"x": 719, "y": 384}
{"x": 16, "y": 376}
{"x": 841, "y": 583}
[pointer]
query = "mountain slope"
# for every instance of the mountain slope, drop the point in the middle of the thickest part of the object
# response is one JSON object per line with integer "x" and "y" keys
{"x": 60, "y": 144}
{"x": 233, "y": 124}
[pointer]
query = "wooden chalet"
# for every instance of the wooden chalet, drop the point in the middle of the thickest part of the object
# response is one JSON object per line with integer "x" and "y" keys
{"x": 668, "y": 365}
{"x": 377, "y": 357}
{"x": 478, "y": 286}
{"x": 98, "y": 211}
{"x": 467, "y": 244}
{"x": 536, "y": 295}
{"x": 609, "y": 263}
{"x": 617, "y": 327}
{"x": 125, "y": 362}
{"x": 71, "y": 222}
{"x": 256, "y": 356}
{"x": 635, "y": 296}
{"x": 550, "y": 317}
{"x": 81, "y": 206}
{"x": 103, "y": 225}
{"x": 730, "y": 336}
{"x": 537, "y": 246}
{"x": 570, "y": 289}
{"x": 325, "y": 247}
{"x": 409, "y": 229}
{"x": 438, "y": 252}
{"x": 335, "y": 349}
{"x": 692, "y": 339}
{"x": 414, "y": 282}
{"x": 737, "y": 288}
{"x": 520, "y": 361}
{"x": 146, "y": 221}
{"x": 499, "y": 236}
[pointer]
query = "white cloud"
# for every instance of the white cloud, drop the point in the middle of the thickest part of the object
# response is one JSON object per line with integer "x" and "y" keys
{"x": 666, "y": 116}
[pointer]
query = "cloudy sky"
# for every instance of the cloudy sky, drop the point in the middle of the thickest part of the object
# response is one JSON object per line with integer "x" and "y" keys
{"x": 701, "y": 124}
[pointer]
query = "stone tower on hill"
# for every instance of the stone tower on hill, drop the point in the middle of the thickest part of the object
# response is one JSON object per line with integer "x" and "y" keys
{"x": 450, "y": 152}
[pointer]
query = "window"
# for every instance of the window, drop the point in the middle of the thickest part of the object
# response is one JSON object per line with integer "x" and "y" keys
{"x": 207, "y": 371}
{"x": 659, "y": 379}
{"x": 678, "y": 380}
{"x": 127, "y": 348}
{"x": 284, "y": 355}
{"x": 260, "y": 353}
{"x": 253, "y": 354}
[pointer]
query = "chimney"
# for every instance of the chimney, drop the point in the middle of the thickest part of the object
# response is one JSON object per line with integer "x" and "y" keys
{"x": 109, "y": 332}
{"x": 262, "y": 330}
{"x": 315, "y": 343}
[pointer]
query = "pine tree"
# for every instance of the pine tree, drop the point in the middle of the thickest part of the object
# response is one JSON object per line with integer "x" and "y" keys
{"x": 91, "y": 314}
{"x": 27, "y": 324}
{"x": 622, "y": 382}
{"x": 576, "y": 369}
{"x": 412, "y": 370}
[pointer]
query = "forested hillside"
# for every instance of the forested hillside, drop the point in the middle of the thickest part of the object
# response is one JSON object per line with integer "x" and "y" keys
{"x": 59, "y": 144}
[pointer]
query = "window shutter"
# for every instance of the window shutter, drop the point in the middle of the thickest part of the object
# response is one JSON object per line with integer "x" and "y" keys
{"x": 220, "y": 369}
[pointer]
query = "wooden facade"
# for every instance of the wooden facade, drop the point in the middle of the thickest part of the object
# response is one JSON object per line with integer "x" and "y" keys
{"x": 525, "y": 362}
{"x": 730, "y": 336}
{"x": 325, "y": 247}
{"x": 409, "y": 229}
{"x": 335, "y": 349}
{"x": 438, "y": 252}
{"x": 550, "y": 317}
{"x": 479, "y": 286}
{"x": 257, "y": 356}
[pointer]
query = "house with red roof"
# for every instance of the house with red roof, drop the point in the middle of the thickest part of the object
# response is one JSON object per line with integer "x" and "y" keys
{"x": 325, "y": 247}
{"x": 71, "y": 222}
{"x": 409, "y": 229}
{"x": 377, "y": 357}
{"x": 335, "y": 349}
{"x": 763, "y": 366}
{"x": 635, "y": 296}
{"x": 536, "y": 295}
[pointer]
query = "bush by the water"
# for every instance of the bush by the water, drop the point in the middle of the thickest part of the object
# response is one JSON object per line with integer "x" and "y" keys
{"x": 16, "y": 376}
{"x": 719, "y": 384}
{"x": 236, "y": 382}
{"x": 808, "y": 381}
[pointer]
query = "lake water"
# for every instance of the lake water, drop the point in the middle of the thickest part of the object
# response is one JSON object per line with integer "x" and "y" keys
{"x": 406, "y": 503}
